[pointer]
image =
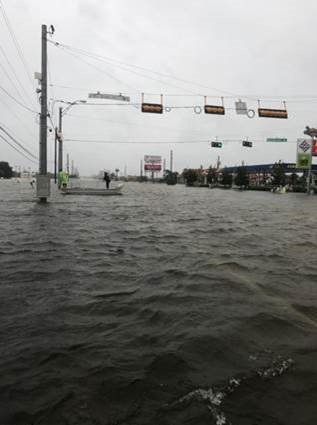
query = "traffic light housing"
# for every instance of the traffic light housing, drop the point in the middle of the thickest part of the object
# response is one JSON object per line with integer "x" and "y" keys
{"x": 247, "y": 143}
{"x": 216, "y": 144}
{"x": 216, "y": 110}
{"x": 154, "y": 108}
{"x": 272, "y": 113}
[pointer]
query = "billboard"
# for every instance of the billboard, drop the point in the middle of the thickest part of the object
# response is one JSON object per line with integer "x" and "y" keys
{"x": 152, "y": 159}
{"x": 314, "y": 148}
{"x": 152, "y": 167}
{"x": 152, "y": 163}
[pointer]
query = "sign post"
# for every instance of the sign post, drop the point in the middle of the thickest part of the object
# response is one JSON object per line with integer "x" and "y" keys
{"x": 304, "y": 158}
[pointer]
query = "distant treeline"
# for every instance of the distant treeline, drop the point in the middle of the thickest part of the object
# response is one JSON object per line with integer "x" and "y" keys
{"x": 6, "y": 171}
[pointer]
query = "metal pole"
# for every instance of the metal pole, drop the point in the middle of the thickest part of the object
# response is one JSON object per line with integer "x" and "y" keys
{"x": 60, "y": 141}
{"x": 67, "y": 164}
{"x": 43, "y": 115}
{"x": 309, "y": 172}
{"x": 60, "y": 147}
{"x": 171, "y": 161}
{"x": 55, "y": 156}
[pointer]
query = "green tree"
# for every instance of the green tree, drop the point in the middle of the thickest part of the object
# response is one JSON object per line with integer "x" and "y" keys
{"x": 242, "y": 178}
{"x": 5, "y": 170}
{"x": 294, "y": 179}
{"x": 211, "y": 176}
{"x": 278, "y": 174}
{"x": 170, "y": 177}
{"x": 190, "y": 176}
{"x": 226, "y": 178}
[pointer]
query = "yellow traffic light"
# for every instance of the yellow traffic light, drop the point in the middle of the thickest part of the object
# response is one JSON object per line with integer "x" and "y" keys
{"x": 212, "y": 109}
{"x": 272, "y": 113}
{"x": 154, "y": 108}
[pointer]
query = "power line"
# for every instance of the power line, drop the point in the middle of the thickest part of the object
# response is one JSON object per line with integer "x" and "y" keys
{"x": 16, "y": 77}
{"x": 16, "y": 43}
{"x": 125, "y": 69}
{"x": 164, "y": 142}
{"x": 17, "y": 142}
{"x": 228, "y": 94}
{"x": 107, "y": 59}
{"x": 16, "y": 149}
{"x": 99, "y": 69}
{"x": 8, "y": 107}
{"x": 17, "y": 101}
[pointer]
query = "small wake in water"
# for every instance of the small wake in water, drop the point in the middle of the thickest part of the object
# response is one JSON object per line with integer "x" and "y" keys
{"x": 214, "y": 398}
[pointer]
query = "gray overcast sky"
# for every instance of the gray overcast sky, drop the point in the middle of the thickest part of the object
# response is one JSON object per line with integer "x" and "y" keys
{"x": 248, "y": 48}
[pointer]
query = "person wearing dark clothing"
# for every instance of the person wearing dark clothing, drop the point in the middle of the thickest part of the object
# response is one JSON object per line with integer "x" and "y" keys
{"x": 107, "y": 179}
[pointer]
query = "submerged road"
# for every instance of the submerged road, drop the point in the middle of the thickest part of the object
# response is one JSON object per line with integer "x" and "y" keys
{"x": 167, "y": 305}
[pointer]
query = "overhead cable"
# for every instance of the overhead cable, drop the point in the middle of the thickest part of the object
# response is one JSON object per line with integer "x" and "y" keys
{"x": 17, "y": 101}
{"x": 17, "y": 142}
{"x": 16, "y": 149}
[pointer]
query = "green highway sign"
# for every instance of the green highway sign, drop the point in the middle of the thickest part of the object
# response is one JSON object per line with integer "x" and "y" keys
{"x": 276, "y": 140}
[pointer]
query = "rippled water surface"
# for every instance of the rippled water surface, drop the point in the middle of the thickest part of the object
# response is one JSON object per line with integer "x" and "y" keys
{"x": 167, "y": 305}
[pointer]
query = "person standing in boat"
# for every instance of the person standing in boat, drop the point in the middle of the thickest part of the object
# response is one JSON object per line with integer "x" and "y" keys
{"x": 107, "y": 179}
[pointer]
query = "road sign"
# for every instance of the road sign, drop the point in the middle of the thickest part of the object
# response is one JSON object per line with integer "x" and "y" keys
{"x": 276, "y": 139}
{"x": 241, "y": 108}
{"x": 216, "y": 144}
{"x": 304, "y": 153}
{"x": 212, "y": 109}
{"x": 272, "y": 113}
{"x": 99, "y": 95}
{"x": 247, "y": 143}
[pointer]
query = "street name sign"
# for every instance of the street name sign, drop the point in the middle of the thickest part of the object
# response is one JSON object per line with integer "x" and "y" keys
{"x": 99, "y": 95}
{"x": 276, "y": 139}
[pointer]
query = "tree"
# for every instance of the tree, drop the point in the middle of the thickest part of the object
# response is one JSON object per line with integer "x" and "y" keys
{"x": 294, "y": 179}
{"x": 170, "y": 177}
{"x": 211, "y": 176}
{"x": 6, "y": 171}
{"x": 226, "y": 178}
{"x": 278, "y": 174}
{"x": 190, "y": 176}
{"x": 242, "y": 178}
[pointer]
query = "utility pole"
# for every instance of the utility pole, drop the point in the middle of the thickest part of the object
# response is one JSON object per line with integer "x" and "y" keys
{"x": 43, "y": 182}
{"x": 141, "y": 169}
{"x": 55, "y": 156}
{"x": 60, "y": 139}
{"x": 171, "y": 161}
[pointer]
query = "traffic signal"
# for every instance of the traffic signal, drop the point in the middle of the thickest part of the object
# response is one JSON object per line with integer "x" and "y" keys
{"x": 272, "y": 113}
{"x": 216, "y": 144}
{"x": 247, "y": 143}
{"x": 154, "y": 108}
{"x": 212, "y": 109}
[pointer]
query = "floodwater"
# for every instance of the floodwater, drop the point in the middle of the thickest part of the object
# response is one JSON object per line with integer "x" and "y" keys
{"x": 167, "y": 305}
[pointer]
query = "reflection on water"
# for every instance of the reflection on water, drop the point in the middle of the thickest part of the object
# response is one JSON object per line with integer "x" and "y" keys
{"x": 168, "y": 305}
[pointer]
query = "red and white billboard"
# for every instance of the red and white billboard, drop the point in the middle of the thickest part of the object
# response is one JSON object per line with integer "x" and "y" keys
{"x": 152, "y": 163}
{"x": 152, "y": 167}
{"x": 314, "y": 148}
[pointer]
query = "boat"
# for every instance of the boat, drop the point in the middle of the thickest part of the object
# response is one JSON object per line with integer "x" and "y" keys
{"x": 92, "y": 191}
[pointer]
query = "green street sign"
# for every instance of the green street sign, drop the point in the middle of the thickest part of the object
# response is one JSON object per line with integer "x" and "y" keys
{"x": 276, "y": 140}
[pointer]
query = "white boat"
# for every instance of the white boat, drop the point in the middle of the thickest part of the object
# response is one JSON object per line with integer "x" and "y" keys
{"x": 92, "y": 191}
